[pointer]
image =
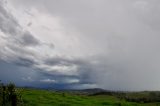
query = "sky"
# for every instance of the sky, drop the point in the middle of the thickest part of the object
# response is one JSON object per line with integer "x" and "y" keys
{"x": 79, "y": 44}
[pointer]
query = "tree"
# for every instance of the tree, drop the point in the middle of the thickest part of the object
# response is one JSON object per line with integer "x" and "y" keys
{"x": 8, "y": 95}
{"x": 12, "y": 97}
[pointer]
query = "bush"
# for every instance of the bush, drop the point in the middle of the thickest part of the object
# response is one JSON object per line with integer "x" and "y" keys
{"x": 8, "y": 95}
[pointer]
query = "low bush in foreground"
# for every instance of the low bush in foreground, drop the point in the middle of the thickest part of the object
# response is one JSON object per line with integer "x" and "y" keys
{"x": 9, "y": 95}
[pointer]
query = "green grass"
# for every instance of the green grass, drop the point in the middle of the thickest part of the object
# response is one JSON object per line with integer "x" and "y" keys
{"x": 33, "y": 97}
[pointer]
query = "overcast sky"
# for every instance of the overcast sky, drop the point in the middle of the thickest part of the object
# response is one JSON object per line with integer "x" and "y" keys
{"x": 78, "y": 44}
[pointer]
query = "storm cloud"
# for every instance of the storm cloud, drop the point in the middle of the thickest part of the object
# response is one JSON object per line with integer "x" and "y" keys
{"x": 111, "y": 44}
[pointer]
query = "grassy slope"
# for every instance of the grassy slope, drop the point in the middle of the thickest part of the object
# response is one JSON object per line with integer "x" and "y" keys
{"x": 33, "y": 97}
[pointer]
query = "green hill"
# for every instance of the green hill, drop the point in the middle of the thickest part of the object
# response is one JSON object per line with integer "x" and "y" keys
{"x": 35, "y": 97}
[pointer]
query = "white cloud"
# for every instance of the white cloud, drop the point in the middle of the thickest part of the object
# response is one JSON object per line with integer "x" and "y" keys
{"x": 70, "y": 81}
{"x": 48, "y": 81}
{"x": 27, "y": 79}
{"x": 85, "y": 86}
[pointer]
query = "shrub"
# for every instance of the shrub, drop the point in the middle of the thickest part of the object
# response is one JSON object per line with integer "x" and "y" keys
{"x": 8, "y": 95}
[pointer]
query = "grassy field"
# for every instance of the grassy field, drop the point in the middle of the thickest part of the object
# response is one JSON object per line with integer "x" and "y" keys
{"x": 34, "y": 97}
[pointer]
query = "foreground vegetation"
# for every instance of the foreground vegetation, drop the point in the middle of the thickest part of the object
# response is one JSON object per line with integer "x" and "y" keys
{"x": 11, "y": 96}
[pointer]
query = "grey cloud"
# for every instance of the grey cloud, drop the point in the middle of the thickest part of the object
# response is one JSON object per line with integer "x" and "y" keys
{"x": 16, "y": 40}
{"x": 123, "y": 35}
{"x": 29, "y": 24}
{"x": 146, "y": 11}
{"x": 14, "y": 51}
{"x": 24, "y": 62}
{"x": 59, "y": 60}
{"x": 8, "y": 24}
{"x": 12, "y": 73}
{"x": 85, "y": 69}
{"x": 28, "y": 39}
{"x": 16, "y": 59}
{"x": 13, "y": 30}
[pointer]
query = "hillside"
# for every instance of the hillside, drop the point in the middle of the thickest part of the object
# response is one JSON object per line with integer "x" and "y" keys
{"x": 35, "y": 97}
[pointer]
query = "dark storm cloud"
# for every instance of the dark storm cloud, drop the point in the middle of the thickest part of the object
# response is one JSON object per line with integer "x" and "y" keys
{"x": 15, "y": 53}
{"x": 11, "y": 73}
{"x": 16, "y": 59}
{"x": 122, "y": 37}
{"x": 62, "y": 60}
{"x": 70, "y": 78}
{"x": 24, "y": 62}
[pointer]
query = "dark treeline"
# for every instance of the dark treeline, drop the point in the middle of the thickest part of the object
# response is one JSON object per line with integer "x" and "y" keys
{"x": 152, "y": 96}
{"x": 9, "y": 96}
{"x": 139, "y": 97}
